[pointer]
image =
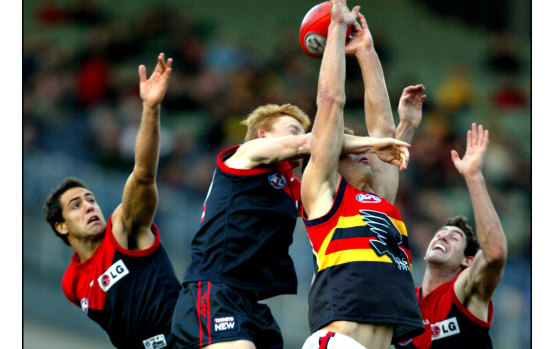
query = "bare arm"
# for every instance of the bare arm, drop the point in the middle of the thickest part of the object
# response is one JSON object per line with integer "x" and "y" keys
{"x": 477, "y": 283}
{"x": 388, "y": 150}
{"x": 378, "y": 112}
{"x": 410, "y": 112}
{"x": 320, "y": 177}
{"x": 265, "y": 151}
{"x": 133, "y": 218}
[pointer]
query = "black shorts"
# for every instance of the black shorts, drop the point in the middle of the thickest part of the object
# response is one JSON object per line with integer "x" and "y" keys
{"x": 208, "y": 312}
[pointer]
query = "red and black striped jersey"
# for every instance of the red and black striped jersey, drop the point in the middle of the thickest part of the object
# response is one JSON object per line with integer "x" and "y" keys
{"x": 448, "y": 324}
{"x": 130, "y": 294}
{"x": 246, "y": 229}
{"x": 363, "y": 265}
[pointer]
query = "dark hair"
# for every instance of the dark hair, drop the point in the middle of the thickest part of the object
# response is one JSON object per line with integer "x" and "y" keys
{"x": 472, "y": 245}
{"x": 53, "y": 207}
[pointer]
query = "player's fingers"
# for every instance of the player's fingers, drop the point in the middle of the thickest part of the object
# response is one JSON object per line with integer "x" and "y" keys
{"x": 142, "y": 72}
{"x": 361, "y": 17}
{"x": 401, "y": 143}
{"x": 169, "y": 64}
{"x": 454, "y": 155}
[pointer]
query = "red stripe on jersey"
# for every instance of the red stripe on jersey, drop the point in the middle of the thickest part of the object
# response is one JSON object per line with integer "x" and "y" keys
{"x": 208, "y": 322}
{"x": 198, "y": 305}
{"x": 408, "y": 252}
{"x": 238, "y": 171}
{"x": 348, "y": 244}
{"x": 135, "y": 253}
{"x": 324, "y": 341}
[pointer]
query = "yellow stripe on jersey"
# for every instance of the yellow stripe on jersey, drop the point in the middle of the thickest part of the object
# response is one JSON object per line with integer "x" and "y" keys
{"x": 325, "y": 260}
{"x": 347, "y": 256}
{"x": 357, "y": 220}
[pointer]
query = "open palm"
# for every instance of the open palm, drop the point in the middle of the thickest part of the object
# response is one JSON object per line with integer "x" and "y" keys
{"x": 152, "y": 90}
{"x": 477, "y": 142}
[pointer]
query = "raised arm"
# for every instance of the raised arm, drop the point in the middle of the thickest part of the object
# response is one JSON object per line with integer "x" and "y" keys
{"x": 133, "y": 218}
{"x": 321, "y": 176}
{"x": 410, "y": 112}
{"x": 378, "y": 112}
{"x": 477, "y": 283}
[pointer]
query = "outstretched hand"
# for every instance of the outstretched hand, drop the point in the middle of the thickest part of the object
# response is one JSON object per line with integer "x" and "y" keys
{"x": 477, "y": 142}
{"x": 341, "y": 14}
{"x": 152, "y": 90}
{"x": 361, "y": 37}
{"x": 392, "y": 151}
{"x": 410, "y": 105}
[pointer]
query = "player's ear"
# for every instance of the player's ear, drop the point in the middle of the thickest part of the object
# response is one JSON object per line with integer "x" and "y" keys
{"x": 467, "y": 261}
{"x": 61, "y": 228}
{"x": 261, "y": 134}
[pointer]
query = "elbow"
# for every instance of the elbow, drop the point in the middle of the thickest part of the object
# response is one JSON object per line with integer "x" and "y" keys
{"x": 144, "y": 176}
{"x": 497, "y": 257}
{"x": 331, "y": 97}
{"x": 388, "y": 130}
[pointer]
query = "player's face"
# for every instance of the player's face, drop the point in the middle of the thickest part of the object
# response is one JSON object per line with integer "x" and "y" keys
{"x": 447, "y": 247}
{"x": 285, "y": 126}
{"x": 83, "y": 217}
{"x": 355, "y": 168}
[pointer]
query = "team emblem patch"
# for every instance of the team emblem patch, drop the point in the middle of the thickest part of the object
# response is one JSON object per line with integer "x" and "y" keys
{"x": 277, "y": 181}
{"x": 84, "y": 305}
{"x": 226, "y": 323}
{"x": 366, "y": 198}
{"x": 387, "y": 238}
{"x": 114, "y": 273}
{"x": 155, "y": 342}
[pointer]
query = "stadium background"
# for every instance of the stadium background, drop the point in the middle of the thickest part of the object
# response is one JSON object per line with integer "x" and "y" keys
{"x": 81, "y": 110}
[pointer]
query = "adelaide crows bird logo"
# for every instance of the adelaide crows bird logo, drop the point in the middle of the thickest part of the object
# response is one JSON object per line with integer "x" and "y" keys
{"x": 388, "y": 238}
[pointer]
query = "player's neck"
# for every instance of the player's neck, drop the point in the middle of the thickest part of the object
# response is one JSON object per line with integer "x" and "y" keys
{"x": 434, "y": 277}
{"x": 85, "y": 248}
{"x": 360, "y": 183}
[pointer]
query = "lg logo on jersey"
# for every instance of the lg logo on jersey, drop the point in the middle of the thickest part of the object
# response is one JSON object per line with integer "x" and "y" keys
{"x": 114, "y": 273}
{"x": 446, "y": 328}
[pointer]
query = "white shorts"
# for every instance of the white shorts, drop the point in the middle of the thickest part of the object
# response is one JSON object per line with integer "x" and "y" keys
{"x": 330, "y": 340}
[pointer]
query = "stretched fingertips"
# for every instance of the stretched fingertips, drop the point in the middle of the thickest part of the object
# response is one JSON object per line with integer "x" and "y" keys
{"x": 142, "y": 72}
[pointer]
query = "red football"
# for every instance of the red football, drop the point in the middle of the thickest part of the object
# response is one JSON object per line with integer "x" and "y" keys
{"x": 313, "y": 30}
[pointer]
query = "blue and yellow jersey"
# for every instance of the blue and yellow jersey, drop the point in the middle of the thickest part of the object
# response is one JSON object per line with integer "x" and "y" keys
{"x": 363, "y": 264}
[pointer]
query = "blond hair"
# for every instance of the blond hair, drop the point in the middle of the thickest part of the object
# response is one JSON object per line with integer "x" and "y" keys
{"x": 263, "y": 117}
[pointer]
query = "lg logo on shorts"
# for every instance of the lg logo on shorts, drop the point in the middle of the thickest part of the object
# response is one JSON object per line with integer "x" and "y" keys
{"x": 114, "y": 273}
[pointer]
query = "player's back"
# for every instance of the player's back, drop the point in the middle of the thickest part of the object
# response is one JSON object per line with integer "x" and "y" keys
{"x": 246, "y": 229}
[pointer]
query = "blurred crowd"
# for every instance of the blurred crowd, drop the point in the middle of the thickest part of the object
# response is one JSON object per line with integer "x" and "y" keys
{"x": 83, "y": 101}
